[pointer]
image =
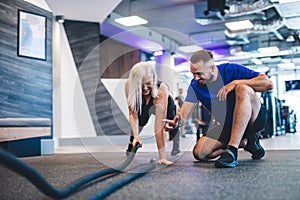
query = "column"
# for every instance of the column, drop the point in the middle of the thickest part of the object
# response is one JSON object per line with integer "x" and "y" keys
{"x": 165, "y": 65}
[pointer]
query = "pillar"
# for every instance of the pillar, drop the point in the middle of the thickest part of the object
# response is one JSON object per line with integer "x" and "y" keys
{"x": 165, "y": 65}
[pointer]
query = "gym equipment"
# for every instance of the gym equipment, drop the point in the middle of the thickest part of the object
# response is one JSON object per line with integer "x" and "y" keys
{"x": 16, "y": 165}
{"x": 116, "y": 185}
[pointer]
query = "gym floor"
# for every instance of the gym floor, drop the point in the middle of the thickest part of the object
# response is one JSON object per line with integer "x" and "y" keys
{"x": 276, "y": 176}
{"x": 290, "y": 141}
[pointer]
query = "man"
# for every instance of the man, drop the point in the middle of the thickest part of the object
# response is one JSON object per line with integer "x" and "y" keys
{"x": 145, "y": 96}
{"x": 228, "y": 92}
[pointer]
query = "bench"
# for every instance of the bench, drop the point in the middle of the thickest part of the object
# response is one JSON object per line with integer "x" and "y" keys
{"x": 23, "y": 128}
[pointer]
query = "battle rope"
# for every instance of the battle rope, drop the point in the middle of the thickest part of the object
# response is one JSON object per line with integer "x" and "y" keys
{"x": 16, "y": 165}
{"x": 118, "y": 184}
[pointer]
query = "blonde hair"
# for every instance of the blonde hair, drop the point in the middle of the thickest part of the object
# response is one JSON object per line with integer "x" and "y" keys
{"x": 136, "y": 75}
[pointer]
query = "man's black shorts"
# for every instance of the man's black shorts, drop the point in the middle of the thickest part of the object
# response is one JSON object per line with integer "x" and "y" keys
{"x": 223, "y": 134}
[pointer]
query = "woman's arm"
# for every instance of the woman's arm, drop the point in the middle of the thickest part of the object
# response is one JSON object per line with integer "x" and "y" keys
{"x": 133, "y": 121}
{"x": 161, "y": 103}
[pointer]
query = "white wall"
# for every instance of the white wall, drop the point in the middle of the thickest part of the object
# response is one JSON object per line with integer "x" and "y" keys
{"x": 39, "y": 3}
{"x": 66, "y": 87}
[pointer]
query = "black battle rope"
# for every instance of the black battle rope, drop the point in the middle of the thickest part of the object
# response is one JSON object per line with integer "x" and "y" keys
{"x": 118, "y": 184}
{"x": 16, "y": 165}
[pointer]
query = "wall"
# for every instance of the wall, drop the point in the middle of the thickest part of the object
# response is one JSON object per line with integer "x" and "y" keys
{"x": 25, "y": 83}
{"x": 95, "y": 59}
{"x": 68, "y": 93}
{"x": 117, "y": 58}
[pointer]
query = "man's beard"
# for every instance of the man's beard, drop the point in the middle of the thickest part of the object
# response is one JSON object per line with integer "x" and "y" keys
{"x": 204, "y": 81}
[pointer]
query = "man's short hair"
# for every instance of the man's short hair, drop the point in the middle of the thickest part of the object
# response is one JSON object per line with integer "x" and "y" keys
{"x": 201, "y": 55}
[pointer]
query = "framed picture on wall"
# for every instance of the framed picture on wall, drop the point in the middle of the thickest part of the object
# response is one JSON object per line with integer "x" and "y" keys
{"x": 31, "y": 35}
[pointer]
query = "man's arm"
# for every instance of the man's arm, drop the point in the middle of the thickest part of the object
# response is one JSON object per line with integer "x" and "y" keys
{"x": 185, "y": 112}
{"x": 181, "y": 117}
{"x": 260, "y": 83}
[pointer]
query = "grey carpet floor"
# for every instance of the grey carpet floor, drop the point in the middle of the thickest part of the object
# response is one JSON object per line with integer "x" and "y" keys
{"x": 276, "y": 176}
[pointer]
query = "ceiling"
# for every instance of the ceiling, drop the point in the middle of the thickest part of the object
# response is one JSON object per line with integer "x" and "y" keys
{"x": 183, "y": 22}
{"x": 173, "y": 23}
{"x": 81, "y": 10}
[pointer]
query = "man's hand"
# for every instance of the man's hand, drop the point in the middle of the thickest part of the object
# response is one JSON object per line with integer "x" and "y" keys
{"x": 171, "y": 124}
{"x": 165, "y": 162}
{"x": 222, "y": 94}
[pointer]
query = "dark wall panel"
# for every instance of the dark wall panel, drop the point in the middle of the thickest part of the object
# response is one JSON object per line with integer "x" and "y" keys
{"x": 92, "y": 59}
{"x": 117, "y": 59}
{"x": 25, "y": 83}
{"x": 83, "y": 38}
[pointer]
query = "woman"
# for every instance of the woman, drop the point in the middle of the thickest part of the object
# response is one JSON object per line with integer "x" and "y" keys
{"x": 145, "y": 96}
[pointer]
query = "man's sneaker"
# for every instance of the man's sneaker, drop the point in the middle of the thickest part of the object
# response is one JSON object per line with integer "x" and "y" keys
{"x": 253, "y": 146}
{"x": 226, "y": 160}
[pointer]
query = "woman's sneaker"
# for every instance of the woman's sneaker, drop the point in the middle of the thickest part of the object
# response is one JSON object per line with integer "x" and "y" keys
{"x": 175, "y": 153}
{"x": 129, "y": 149}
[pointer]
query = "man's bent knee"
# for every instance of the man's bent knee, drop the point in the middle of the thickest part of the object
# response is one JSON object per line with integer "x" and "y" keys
{"x": 200, "y": 154}
{"x": 243, "y": 92}
{"x": 242, "y": 89}
{"x": 205, "y": 147}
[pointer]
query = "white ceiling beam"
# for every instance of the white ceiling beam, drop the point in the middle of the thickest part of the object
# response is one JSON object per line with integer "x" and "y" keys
{"x": 83, "y": 10}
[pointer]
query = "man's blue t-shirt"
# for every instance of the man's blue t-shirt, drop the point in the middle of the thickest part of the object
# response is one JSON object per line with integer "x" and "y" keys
{"x": 228, "y": 72}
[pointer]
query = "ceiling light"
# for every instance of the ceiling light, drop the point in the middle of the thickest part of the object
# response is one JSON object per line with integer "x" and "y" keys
{"x": 290, "y": 38}
{"x": 262, "y": 69}
{"x": 220, "y": 62}
{"x": 266, "y": 59}
{"x": 189, "y": 48}
{"x": 158, "y": 53}
{"x": 268, "y": 50}
{"x": 239, "y": 25}
{"x": 287, "y": 1}
{"x": 131, "y": 21}
{"x": 286, "y": 65}
{"x": 256, "y": 61}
